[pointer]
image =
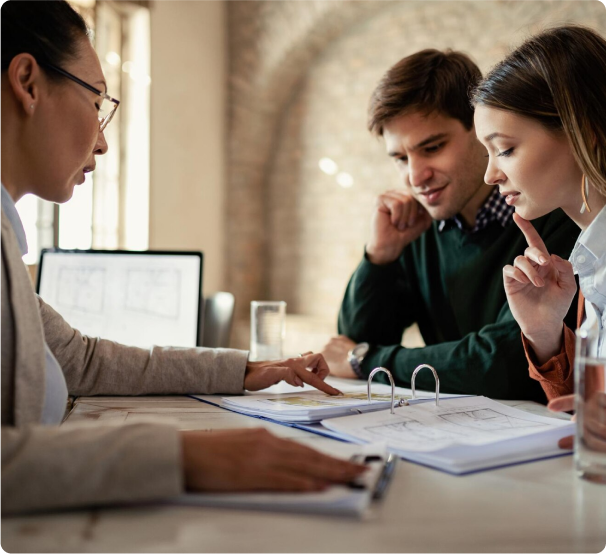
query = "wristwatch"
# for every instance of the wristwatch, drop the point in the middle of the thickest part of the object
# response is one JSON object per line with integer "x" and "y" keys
{"x": 355, "y": 357}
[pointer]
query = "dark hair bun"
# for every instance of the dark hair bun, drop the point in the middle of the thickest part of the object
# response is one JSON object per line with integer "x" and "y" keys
{"x": 48, "y": 30}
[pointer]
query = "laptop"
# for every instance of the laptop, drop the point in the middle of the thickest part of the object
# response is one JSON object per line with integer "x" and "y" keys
{"x": 136, "y": 298}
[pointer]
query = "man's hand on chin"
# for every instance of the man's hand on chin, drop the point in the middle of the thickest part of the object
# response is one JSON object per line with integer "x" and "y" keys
{"x": 335, "y": 353}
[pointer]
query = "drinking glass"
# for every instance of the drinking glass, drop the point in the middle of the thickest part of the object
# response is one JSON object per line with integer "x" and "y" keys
{"x": 267, "y": 329}
{"x": 590, "y": 408}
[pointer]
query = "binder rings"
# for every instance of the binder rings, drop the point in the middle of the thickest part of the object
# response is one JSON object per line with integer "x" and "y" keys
{"x": 311, "y": 406}
{"x": 461, "y": 435}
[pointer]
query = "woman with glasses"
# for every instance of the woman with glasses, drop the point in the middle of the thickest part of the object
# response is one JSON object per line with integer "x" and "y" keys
{"x": 540, "y": 114}
{"x": 55, "y": 107}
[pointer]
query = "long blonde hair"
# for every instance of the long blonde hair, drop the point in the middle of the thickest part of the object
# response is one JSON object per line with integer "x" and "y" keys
{"x": 559, "y": 79}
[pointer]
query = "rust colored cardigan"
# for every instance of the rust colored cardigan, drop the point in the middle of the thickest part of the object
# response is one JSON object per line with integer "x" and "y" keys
{"x": 556, "y": 375}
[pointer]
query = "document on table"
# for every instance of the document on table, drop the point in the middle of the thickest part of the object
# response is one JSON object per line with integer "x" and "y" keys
{"x": 459, "y": 436}
{"x": 312, "y": 406}
{"x": 337, "y": 500}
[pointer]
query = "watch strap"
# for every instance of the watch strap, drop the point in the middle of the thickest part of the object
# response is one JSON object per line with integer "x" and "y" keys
{"x": 356, "y": 366}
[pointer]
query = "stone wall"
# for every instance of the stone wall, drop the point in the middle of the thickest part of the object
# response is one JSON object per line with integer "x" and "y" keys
{"x": 301, "y": 74}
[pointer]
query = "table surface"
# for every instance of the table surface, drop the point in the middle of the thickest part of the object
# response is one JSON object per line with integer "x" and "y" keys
{"x": 535, "y": 507}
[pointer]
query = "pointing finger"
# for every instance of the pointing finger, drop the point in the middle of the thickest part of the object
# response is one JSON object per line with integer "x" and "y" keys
{"x": 530, "y": 233}
{"x": 315, "y": 381}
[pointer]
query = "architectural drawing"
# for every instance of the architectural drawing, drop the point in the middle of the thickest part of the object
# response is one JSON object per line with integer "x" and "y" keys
{"x": 455, "y": 426}
{"x": 411, "y": 431}
{"x": 81, "y": 289}
{"x": 154, "y": 292}
{"x": 488, "y": 420}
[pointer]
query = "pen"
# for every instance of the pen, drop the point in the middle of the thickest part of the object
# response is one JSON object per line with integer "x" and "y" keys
{"x": 384, "y": 477}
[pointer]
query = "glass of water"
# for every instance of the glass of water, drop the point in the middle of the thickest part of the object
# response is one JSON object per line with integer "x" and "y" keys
{"x": 267, "y": 330}
{"x": 590, "y": 408}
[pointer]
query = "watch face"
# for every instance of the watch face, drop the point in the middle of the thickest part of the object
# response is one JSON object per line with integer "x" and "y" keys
{"x": 360, "y": 350}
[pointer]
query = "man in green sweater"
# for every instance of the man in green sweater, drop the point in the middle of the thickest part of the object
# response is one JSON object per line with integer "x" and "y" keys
{"x": 438, "y": 245}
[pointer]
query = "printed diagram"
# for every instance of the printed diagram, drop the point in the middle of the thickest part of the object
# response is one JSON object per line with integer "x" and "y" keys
{"x": 347, "y": 398}
{"x": 154, "y": 292}
{"x": 81, "y": 289}
{"x": 411, "y": 432}
{"x": 489, "y": 420}
{"x": 464, "y": 426}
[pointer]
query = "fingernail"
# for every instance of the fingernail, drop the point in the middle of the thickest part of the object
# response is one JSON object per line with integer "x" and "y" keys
{"x": 371, "y": 458}
{"x": 542, "y": 259}
{"x": 412, "y": 221}
{"x": 539, "y": 282}
{"x": 356, "y": 485}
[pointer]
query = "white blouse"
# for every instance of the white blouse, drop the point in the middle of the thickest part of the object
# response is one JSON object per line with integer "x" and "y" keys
{"x": 55, "y": 397}
{"x": 588, "y": 258}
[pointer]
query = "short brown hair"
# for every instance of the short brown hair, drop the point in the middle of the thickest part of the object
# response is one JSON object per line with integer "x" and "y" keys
{"x": 429, "y": 81}
{"x": 557, "y": 78}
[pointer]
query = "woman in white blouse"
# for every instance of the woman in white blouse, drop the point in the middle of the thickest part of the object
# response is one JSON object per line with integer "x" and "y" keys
{"x": 540, "y": 114}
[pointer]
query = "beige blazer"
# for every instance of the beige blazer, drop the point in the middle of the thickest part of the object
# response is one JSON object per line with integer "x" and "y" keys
{"x": 45, "y": 466}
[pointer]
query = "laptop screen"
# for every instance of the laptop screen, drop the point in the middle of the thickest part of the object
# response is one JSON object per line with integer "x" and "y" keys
{"x": 135, "y": 298}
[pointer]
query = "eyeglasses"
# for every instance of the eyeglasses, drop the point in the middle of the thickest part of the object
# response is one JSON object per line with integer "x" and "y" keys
{"x": 108, "y": 104}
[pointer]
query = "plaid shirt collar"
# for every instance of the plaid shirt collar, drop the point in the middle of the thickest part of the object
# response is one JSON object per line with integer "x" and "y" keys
{"x": 494, "y": 209}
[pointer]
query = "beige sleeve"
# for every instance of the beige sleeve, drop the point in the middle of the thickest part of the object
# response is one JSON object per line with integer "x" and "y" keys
{"x": 76, "y": 465}
{"x": 94, "y": 366}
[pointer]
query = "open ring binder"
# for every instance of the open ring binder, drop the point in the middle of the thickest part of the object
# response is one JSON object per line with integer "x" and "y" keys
{"x": 403, "y": 401}
{"x": 435, "y": 376}
{"x": 372, "y": 374}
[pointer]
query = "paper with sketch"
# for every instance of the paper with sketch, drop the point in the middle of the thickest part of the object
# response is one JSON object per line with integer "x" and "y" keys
{"x": 312, "y": 405}
{"x": 425, "y": 427}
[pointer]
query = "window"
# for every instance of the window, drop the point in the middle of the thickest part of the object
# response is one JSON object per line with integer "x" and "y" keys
{"x": 111, "y": 209}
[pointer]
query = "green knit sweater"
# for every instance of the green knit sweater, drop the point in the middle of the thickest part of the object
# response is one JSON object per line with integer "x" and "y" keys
{"x": 451, "y": 284}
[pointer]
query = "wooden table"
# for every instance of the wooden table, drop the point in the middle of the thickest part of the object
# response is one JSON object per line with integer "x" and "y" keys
{"x": 535, "y": 507}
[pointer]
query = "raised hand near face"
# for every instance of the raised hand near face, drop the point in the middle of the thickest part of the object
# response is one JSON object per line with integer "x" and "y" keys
{"x": 540, "y": 288}
{"x": 397, "y": 221}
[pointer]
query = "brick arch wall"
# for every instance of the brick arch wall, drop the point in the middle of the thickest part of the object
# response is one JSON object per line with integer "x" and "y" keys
{"x": 272, "y": 45}
{"x": 301, "y": 76}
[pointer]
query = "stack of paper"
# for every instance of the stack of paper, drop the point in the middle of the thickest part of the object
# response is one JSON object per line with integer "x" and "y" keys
{"x": 459, "y": 436}
{"x": 312, "y": 406}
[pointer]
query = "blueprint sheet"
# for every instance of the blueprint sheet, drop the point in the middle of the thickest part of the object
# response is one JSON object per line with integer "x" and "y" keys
{"x": 426, "y": 427}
